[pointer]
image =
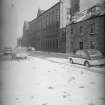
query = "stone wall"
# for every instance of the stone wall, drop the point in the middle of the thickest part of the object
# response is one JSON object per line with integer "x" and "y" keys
{"x": 90, "y": 32}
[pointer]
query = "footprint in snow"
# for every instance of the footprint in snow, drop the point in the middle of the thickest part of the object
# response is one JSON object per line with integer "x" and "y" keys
{"x": 71, "y": 79}
{"x": 17, "y": 98}
{"x": 82, "y": 72}
{"x": 32, "y": 97}
{"x": 50, "y": 87}
{"x": 65, "y": 94}
{"x": 45, "y": 104}
{"x": 91, "y": 104}
{"x": 81, "y": 87}
{"x": 92, "y": 83}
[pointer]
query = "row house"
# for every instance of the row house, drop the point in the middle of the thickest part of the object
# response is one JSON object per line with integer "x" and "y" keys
{"x": 87, "y": 30}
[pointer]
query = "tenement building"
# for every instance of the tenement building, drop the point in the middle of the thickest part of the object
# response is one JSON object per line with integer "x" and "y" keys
{"x": 87, "y": 30}
{"x": 47, "y": 32}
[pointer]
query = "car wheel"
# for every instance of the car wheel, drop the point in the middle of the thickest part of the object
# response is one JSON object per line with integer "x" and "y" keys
{"x": 71, "y": 61}
{"x": 86, "y": 63}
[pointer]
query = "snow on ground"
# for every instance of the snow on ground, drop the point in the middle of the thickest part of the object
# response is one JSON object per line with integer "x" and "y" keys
{"x": 51, "y": 81}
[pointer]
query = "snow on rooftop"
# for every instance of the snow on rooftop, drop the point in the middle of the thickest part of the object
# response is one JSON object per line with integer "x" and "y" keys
{"x": 96, "y": 10}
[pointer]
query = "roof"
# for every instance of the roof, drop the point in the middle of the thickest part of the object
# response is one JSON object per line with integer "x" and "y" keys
{"x": 39, "y": 12}
{"x": 96, "y": 10}
{"x": 50, "y": 8}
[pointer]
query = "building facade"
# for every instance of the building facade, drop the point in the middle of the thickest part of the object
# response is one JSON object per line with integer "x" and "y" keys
{"x": 47, "y": 32}
{"x": 43, "y": 32}
{"x": 87, "y": 30}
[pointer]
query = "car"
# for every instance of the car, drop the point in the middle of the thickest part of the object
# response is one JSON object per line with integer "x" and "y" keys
{"x": 19, "y": 55}
{"x": 31, "y": 49}
{"x": 87, "y": 57}
{"x": 7, "y": 52}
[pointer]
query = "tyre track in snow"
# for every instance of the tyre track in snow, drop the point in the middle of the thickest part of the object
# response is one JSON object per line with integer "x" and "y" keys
{"x": 58, "y": 59}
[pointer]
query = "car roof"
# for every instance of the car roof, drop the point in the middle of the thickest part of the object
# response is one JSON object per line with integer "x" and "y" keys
{"x": 88, "y": 50}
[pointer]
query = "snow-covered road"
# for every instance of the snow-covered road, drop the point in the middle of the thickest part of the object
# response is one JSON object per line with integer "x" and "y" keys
{"x": 50, "y": 81}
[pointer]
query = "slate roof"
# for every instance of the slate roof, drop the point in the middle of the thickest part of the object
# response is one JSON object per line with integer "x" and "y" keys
{"x": 96, "y": 10}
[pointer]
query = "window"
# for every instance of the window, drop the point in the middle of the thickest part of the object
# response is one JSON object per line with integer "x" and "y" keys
{"x": 92, "y": 28}
{"x": 57, "y": 24}
{"x": 44, "y": 23}
{"x": 81, "y": 29}
{"x": 81, "y": 45}
{"x": 68, "y": 11}
{"x": 71, "y": 45}
{"x": 104, "y": 25}
{"x": 71, "y": 30}
{"x": 47, "y": 20}
{"x": 53, "y": 17}
{"x": 57, "y": 15}
{"x": 57, "y": 18}
{"x": 50, "y": 18}
{"x": 56, "y": 43}
{"x": 48, "y": 43}
{"x": 53, "y": 43}
{"x": 51, "y": 46}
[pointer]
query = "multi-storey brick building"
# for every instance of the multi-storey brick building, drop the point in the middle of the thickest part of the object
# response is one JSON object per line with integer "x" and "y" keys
{"x": 87, "y": 30}
{"x": 48, "y": 30}
{"x": 43, "y": 33}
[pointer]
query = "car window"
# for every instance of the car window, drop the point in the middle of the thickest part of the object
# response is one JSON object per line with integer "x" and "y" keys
{"x": 81, "y": 54}
{"x": 94, "y": 53}
{"x": 84, "y": 55}
{"x": 78, "y": 53}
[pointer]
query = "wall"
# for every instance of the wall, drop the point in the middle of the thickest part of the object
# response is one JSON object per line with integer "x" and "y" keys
{"x": 97, "y": 37}
{"x": 44, "y": 31}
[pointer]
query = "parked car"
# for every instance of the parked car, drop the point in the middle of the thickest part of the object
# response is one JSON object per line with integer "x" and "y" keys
{"x": 7, "y": 51}
{"x": 19, "y": 55}
{"x": 87, "y": 57}
{"x": 31, "y": 49}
